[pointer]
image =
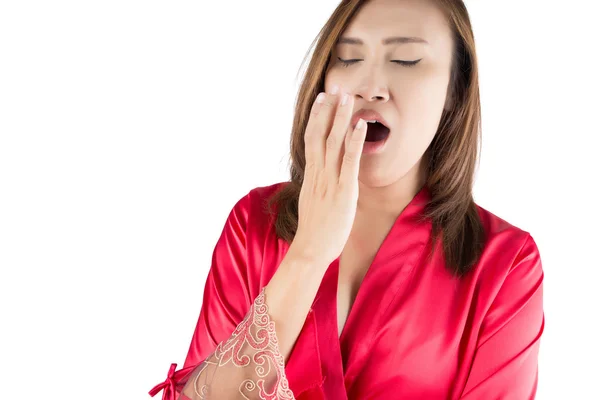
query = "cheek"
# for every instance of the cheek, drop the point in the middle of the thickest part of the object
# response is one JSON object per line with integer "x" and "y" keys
{"x": 420, "y": 108}
{"x": 423, "y": 99}
{"x": 428, "y": 85}
{"x": 334, "y": 77}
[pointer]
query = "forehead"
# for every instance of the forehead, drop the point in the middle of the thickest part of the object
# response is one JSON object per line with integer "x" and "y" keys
{"x": 379, "y": 19}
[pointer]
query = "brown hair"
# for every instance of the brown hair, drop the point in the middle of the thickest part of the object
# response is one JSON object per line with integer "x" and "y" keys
{"x": 451, "y": 156}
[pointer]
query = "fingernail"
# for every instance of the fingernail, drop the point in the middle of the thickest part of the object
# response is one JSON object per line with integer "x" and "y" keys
{"x": 335, "y": 89}
{"x": 320, "y": 97}
{"x": 344, "y": 99}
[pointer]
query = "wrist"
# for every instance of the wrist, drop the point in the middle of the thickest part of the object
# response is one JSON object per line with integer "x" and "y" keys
{"x": 302, "y": 256}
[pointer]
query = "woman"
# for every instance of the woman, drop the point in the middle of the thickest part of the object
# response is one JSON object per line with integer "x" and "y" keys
{"x": 373, "y": 274}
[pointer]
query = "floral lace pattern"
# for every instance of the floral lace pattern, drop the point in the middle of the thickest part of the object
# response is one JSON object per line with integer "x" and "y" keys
{"x": 253, "y": 340}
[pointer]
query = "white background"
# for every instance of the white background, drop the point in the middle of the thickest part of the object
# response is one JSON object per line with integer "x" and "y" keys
{"x": 129, "y": 129}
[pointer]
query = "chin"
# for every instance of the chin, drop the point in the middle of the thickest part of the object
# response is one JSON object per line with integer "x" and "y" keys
{"x": 374, "y": 177}
{"x": 380, "y": 175}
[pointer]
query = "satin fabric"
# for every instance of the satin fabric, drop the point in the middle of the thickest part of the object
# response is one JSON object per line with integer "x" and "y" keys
{"x": 413, "y": 331}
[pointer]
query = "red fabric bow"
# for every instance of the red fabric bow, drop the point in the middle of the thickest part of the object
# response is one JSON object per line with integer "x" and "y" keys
{"x": 174, "y": 379}
{"x": 168, "y": 385}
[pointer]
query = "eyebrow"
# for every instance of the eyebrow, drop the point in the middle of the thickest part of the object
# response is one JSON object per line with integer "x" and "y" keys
{"x": 386, "y": 41}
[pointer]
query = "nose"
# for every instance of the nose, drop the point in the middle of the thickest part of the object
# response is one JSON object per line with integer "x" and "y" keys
{"x": 371, "y": 92}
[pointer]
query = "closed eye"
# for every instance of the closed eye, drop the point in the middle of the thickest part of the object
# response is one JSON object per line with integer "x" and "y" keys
{"x": 347, "y": 63}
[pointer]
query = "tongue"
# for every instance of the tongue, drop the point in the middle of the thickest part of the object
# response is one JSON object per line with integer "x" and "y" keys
{"x": 376, "y": 132}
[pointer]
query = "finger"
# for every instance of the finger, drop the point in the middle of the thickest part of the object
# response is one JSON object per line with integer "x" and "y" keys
{"x": 312, "y": 152}
{"x": 335, "y": 141}
{"x": 316, "y": 131}
{"x": 353, "y": 152}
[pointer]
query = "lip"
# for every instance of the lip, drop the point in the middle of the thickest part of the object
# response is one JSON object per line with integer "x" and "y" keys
{"x": 368, "y": 115}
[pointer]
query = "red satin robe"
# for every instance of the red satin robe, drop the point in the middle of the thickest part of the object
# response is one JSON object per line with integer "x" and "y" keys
{"x": 413, "y": 331}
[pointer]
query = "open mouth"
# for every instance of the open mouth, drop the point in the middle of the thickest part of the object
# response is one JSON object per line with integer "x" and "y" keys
{"x": 376, "y": 132}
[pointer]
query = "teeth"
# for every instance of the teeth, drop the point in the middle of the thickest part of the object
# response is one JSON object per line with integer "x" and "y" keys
{"x": 373, "y": 121}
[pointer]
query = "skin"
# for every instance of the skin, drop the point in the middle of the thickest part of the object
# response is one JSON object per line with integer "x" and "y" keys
{"x": 411, "y": 99}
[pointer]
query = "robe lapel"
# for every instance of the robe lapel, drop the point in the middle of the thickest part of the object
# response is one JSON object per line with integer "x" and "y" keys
{"x": 321, "y": 365}
{"x": 384, "y": 283}
{"x": 303, "y": 369}
{"x": 325, "y": 309}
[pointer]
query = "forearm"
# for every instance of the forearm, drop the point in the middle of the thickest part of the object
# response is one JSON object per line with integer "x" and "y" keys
{"x": 290, "y": 294}
{"x": 251, "y": 362}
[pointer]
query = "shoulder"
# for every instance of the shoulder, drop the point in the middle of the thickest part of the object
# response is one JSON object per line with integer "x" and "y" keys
{"x": 261, "y": 194}
{"x": 250, "y": 211}
{"x": 246, "y": 241}
{"x": 264, "y": 249}
{"x": 509, "y": 251}
{"x": 254, "y": 201}
{"x": 508, "y": 285}
{"x": 502, "y": 234}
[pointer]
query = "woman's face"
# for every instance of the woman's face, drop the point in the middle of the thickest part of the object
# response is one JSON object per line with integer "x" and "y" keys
{"x": 410, "y": 98}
